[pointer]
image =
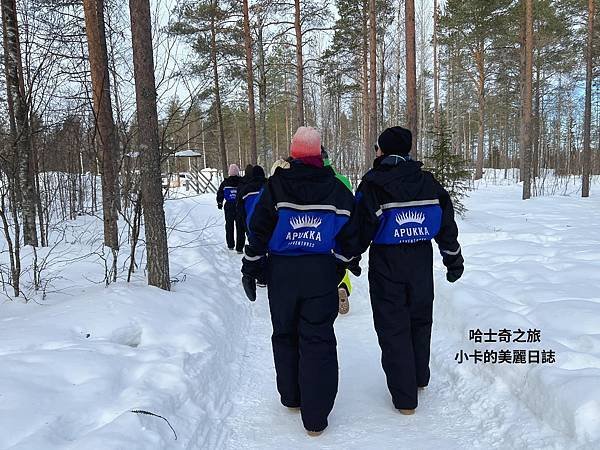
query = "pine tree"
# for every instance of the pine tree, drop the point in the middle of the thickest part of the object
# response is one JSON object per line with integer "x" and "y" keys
{"x": 472, "y": 27}
{"x": 147, "y": 118}
{"x": 214, "y": 31}
{"x": 450, "y": 168}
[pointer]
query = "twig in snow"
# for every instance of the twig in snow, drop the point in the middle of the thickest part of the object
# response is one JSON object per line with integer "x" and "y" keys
{"x": 148, "y": 413}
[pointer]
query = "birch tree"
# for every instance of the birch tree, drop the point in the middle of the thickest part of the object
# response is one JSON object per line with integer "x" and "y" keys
{"x": 20, "y": 128}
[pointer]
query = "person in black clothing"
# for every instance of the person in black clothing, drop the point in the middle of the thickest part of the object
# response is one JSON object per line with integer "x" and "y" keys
{"x": 248, "y": 194}
{"x": 228, "y": 193}
{"x": 301, "y": 239}
{"x": 401, "y": 208}
{"x": 247, "y": 173}
{"x": 243, "y": 180}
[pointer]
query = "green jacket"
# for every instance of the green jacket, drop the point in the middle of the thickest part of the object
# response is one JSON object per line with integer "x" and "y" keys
{"x": 343, "y": 178}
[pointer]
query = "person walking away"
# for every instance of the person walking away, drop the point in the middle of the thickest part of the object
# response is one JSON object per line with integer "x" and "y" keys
{"x": 248, "y": 194}
{"x": 247, "y": 173}
{"x": 401, "y": 208}
{"x": 345, "y": 287}
{"x": 226, "y": 198}
{"x": 247, "y": 176}
{"x": 301, "y": 235}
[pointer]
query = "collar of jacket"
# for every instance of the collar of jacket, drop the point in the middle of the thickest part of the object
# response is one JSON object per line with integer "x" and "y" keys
{"x": 391, "y": 160}
{"x": 299, "y": 169}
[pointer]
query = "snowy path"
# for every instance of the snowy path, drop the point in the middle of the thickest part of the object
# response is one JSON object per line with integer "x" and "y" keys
{"x": 363, "y": 416}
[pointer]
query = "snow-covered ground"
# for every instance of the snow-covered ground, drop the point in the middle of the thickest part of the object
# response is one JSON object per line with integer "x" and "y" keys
{"x": 74, "y": 366}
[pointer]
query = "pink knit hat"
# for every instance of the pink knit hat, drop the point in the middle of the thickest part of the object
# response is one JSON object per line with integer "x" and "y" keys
{"x": 306, "y": 142}
{"x": 234, "y": 170}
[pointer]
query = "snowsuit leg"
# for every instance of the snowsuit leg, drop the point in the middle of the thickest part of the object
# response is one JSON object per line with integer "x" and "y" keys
{"x": 420, "y": 294}
{"x": 230, "y": 215}
{"x": 304, "y": 343}
{"x": 240, "y": 233}
{"x": 401, "y": 285}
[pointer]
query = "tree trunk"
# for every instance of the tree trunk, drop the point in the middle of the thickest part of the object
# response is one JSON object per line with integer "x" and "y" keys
{"x": 436, "y": 72}
{"x": 105, "y": 125}
{"x": 217, "y": 87}
{"x": 587, "y": 115}
{"x": 147, "y": 117}
{"x": 262, "y": 92}
{"x": 411, "y": 74}
{"x": 480, "y": 61}
{"x": 250, "y": 82}
{"x": 368, "y": 144}
{"x": 373, "y": 71}
{"x": 299, "y": 66}
{"x": 526, "y": 122}
{"x": 20, "y": 126}
{"x": 536, "y": 124}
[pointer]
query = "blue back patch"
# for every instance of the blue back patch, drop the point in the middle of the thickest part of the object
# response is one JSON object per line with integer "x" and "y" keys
{"x": 406, "y": 224}
{"x": 230, "y": 193}
{"x": 250, "y": 201}
{"x": 305, "y": 232}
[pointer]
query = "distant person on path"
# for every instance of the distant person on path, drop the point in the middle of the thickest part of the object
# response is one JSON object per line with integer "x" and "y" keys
{"x": 248, "y": 194}
{"x": 228, "y": 193}
{"x": 247, "y": 173}
{"x": 301, "y": 239}
{"x": 247, "y": 176}
{"x": 401, "y": 208}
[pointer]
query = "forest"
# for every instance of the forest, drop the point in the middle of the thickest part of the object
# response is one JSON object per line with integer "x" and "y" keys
{"x": 507, "y": 84}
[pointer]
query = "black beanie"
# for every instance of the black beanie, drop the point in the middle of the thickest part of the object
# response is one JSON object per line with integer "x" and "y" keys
{"x": 258, "y": 171}
{"x": 395, "y": 141}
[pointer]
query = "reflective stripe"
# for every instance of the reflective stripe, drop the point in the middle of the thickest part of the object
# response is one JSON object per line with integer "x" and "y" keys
{"x": 343, "y": 212}
{"x": 379, "y": 213}
{"x": 343, "y": 258}
{"x": 253, "y": 258}
{"x": 448, "y": 252}
{"x": 413, "y": 203}
{"x": 249, "y": 194}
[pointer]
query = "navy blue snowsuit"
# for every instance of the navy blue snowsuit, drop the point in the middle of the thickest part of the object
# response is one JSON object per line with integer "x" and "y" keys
{"x": 401, "y": 208}
{"x": 228, "y": 193}
{"x": 247, "y": 198}
{"x": 302, "y": 222}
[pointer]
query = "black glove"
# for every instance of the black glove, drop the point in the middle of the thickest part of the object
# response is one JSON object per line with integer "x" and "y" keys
{"x": 254, "y": 268}
{"x": 455, "y": 266}
{"x": 455, "y": 273}
{"x": 220, "y": 205}
{"x": 354, "y": 267}
{"x": 249, "y": 285}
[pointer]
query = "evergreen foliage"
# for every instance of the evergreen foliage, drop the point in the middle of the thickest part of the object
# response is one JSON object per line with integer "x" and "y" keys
{"x": 450, "y": 169}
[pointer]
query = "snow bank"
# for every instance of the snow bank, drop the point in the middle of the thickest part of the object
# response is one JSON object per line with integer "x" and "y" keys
{"x": 72, "y": 368}
{"x": 532, "y": 265}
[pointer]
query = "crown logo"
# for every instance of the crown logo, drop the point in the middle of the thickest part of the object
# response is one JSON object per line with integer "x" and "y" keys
{"x": 305, "y": 222}
{"x": 410, "y": 217}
